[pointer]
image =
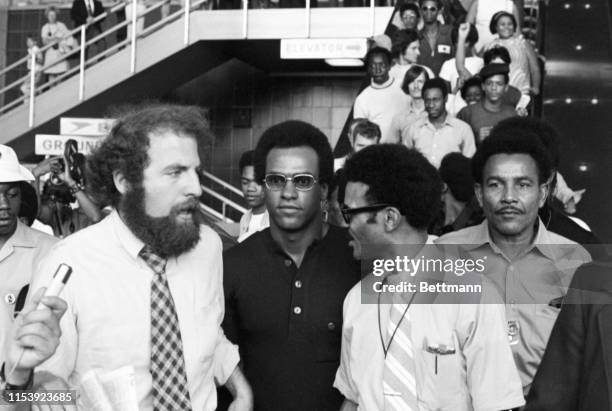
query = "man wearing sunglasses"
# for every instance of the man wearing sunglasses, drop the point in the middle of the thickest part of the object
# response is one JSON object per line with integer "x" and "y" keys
{"x": 284, "y": 286}
{"x": 436, "y": 43}
{"x": 432, "y": 356}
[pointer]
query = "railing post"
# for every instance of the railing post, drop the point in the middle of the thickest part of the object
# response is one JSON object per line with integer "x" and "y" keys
{"x": 82, "y": 64}
{"x": 307, "y": 24}
{"x": 372, "y": 18}
{"x": 187, "y": 15}
{"x": 32, "y": 89}
{"x": 133, "y": 42}
{"x": 223, "y": 207}
{"x": 245, "y": 19}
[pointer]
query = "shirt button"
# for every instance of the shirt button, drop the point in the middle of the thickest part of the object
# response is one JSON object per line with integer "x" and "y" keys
{"x": 298, "y": 284}
{"x": 297, "y": 310}
{"x": 331, "y": 326}
{"x": 288, "y": 262}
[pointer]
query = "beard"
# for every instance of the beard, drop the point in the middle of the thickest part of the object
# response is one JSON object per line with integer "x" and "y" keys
{"x": 165, "y": 235}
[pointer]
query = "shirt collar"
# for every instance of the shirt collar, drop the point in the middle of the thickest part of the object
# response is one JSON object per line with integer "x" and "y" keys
{"x": 386, "y": 84}
{"x": 275, "y": 248}
{"x": 128, "y": 240}
{"x": 542, "y": 241}
{"x": 447, "y": 121}
{"x": 22, "y": 237}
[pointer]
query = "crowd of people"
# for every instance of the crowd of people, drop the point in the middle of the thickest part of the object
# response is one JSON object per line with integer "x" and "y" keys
{"x": 281, "y": 317}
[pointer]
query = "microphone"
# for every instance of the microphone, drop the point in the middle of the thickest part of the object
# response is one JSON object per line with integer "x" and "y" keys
{"x": 59, "y": 280}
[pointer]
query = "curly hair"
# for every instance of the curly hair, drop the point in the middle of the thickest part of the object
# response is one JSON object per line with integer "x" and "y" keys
{"x": 497, "y": 51}
{"x": 434, "y": 83}
{"x": 377, "y": 51}
{"x": 401, "y": 177}
{"x": 512, "y": 140}
{"x": 295, "y": 133}
{"x": 246, "y": 159}
{"x": 471, "y": 82}
{"x": 125, "y": 148}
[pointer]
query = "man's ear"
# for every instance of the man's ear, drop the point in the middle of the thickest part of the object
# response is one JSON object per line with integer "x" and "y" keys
{"x": 121, "y": 183}
{"x": 478, "y": 193}
{"x": 392, "y": 218}
{"x": 544, "y": 191}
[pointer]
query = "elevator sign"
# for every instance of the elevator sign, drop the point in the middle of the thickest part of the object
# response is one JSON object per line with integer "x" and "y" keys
{"x": 323, "y": 48}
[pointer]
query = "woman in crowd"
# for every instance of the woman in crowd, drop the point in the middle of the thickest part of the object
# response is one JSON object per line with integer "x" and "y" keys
{"x": 412, "y": 84}
{"x": 480, "y": 13}
{"x": 522, "y": 56}
{"x": 54, "y": 32}
{"x": 406, "y": 51}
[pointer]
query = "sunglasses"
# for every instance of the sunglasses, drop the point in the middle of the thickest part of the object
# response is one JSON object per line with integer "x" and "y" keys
{"x": 348, "y": 213}
{"x": 429, "y": 8}
{"x": 302, "y": 182}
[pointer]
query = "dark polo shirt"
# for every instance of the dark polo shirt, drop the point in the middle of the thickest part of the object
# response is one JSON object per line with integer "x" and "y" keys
{"x": 287, "y": 320}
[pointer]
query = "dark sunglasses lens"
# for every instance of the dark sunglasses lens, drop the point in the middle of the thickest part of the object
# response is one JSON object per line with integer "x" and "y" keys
{"x": 429, "y": 9}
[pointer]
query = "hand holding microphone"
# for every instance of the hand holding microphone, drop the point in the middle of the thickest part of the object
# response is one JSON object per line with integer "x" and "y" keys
{"x": 35, "y": 333}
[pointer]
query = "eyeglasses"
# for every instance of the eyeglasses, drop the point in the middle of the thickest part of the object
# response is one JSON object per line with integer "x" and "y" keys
{"x": 429, "y": 8}
{"x": 302, "y": 182}
{"x": 348, "y": 213}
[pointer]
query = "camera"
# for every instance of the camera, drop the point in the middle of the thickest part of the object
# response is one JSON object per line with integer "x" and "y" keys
{"x": 55, "y": 187}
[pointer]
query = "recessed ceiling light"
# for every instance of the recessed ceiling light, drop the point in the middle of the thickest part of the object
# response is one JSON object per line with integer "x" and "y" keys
{"x": 578, "y": 47}
{"x": 595, "y": 101}
{"x": 587, "y": 6}
{"x": 567, "y": 6}
{"x": 583, "y": 167}
{"x": 568, "y": 101}
{"x": 344, "y": 62}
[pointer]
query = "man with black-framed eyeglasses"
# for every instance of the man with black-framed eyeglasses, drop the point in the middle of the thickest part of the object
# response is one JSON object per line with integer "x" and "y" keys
{"x": 399, "y": 356}
{"x": 436, "y": 43}
{"x": 284, "y": 286}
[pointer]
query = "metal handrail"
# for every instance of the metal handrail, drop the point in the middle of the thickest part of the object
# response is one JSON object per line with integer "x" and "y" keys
{"x": 223, "y": 199}
{"x": 84, "y": 45}
{"x": 70, "y": 33}
{"x": 222, "y": 183}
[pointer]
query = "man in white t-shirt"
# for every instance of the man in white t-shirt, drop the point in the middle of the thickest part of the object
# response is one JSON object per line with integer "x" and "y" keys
{"x": 256, "y": 218}
{"x": 383, "y": 98}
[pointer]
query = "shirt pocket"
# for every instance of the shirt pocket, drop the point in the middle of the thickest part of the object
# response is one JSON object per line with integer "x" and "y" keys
{"x": 328, "y": 334}
{"x": 443, "y": 376}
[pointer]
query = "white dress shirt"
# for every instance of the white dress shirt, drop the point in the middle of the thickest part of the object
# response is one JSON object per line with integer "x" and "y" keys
{"x": 479, "y": 375}
{"x": 108, "y": 321}
{"x": 454, "y": 136}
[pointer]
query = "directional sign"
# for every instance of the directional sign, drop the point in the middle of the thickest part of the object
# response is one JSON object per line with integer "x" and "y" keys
{"x": 85, "y": 126}
{"x": 53, "y": 144}
{"x": 323, "y": 48}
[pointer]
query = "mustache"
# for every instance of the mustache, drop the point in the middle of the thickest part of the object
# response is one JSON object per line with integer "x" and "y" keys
{"x": 506, "y": 209}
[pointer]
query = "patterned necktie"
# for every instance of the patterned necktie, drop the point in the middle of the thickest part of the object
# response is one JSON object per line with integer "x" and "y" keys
{"x": 399, "y": 383}
{"x": 167, "y": 362}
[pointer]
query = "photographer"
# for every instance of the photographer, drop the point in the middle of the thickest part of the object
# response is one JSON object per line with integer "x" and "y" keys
{"x": 64, "y": 187}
